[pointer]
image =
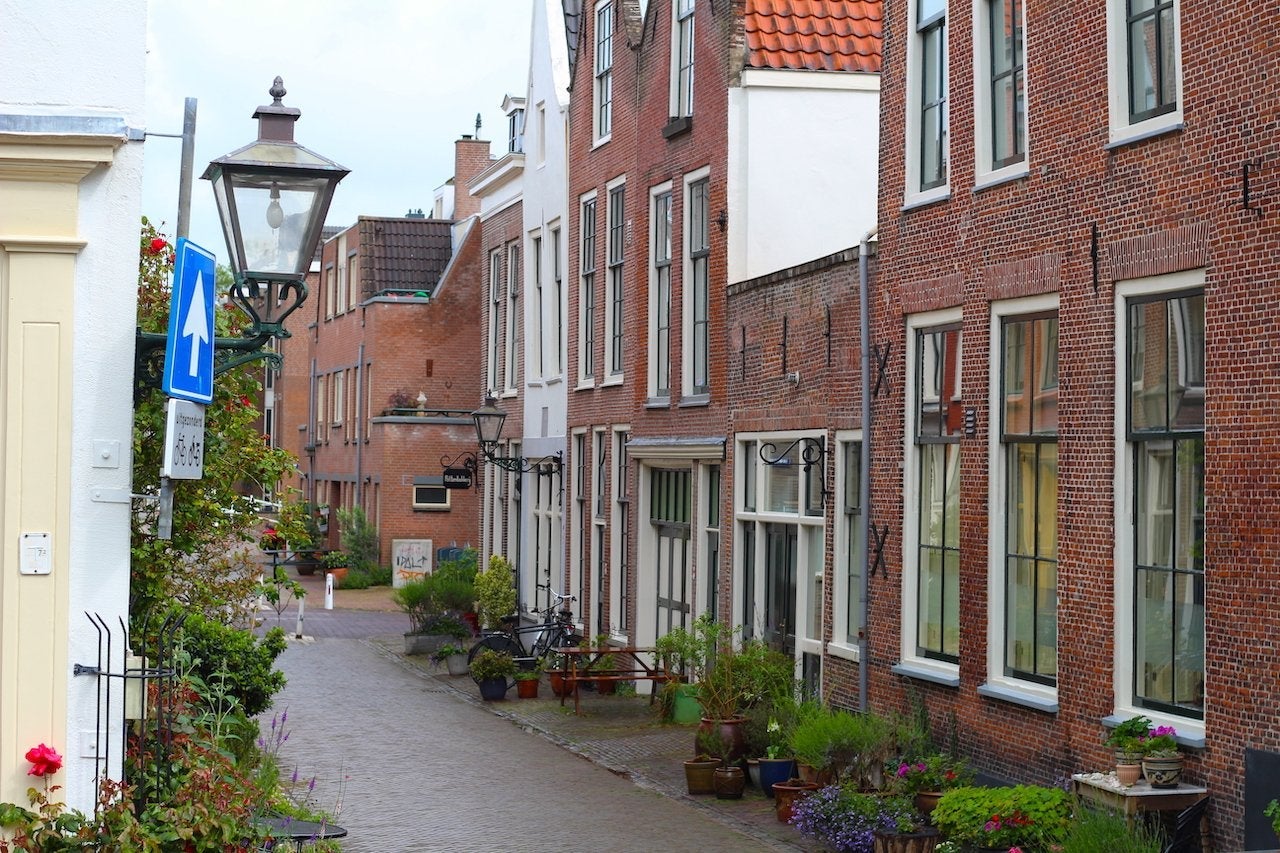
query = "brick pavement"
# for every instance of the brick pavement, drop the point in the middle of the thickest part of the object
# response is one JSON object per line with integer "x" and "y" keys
{"x": 346, "y": 699}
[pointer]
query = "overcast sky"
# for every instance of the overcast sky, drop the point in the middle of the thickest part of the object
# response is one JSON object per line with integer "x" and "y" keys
{"x": 384, "y": 86}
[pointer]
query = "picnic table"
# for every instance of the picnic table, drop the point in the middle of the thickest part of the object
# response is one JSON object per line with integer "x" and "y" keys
{"x": 629, "y": 663}
{"x": 306, "y": 561}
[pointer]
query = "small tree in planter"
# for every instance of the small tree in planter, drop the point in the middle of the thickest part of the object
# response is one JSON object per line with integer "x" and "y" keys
{"x": 495, "y": 591}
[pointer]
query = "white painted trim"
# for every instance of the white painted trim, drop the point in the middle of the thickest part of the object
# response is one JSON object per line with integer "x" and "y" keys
{"x": 1120, "y": 130}
{"x": 984, "y": 175}
{"x": 686, "y": 278}
{"x": 1001, "y": 685}
{"x": 788, "y": 78}
{"x": 1122, "y": 489}
{"x": 910, "y": 498}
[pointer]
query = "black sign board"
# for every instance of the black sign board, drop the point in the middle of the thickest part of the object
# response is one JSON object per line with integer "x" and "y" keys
{"x": 457, "y": 478}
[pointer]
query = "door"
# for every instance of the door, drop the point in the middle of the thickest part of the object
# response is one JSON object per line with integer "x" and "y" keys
{"x": 670, "y": 517}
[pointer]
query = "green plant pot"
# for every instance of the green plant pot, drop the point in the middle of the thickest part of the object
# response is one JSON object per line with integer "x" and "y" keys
{"x": 687, "y": 708}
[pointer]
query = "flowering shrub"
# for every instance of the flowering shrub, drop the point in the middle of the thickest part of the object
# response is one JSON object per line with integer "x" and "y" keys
{"x": 938, "y": 772}
{"x": 845, "y": 821}
{"x": 45, "y": 760}
{"x": 1027, "y": 816}
{"x": 1160, "y": 742}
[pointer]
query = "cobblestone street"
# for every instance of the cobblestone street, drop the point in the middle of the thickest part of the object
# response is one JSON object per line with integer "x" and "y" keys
{"x": 416, "y": 769}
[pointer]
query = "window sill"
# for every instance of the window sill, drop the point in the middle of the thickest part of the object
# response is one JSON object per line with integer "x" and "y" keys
{"x": 657, "y": 403}
{"x": 1026, "y": 698}
{"x": 604, "y": 140}
{"x": 947, "y": 676}
{"x": 676, "y": 126}
{"x": 844, "y": 651}
{"x": 612, "y": 381}
{"x": 1190, "y": 733}
{"x": 1128, "y": 136}
{"x": 586, "y": 384}
{"x": 431, "y": 509}
{"x": 915, "y": 201}
{"x": 1004, "y": 176}
{"x": 695, "y": 400}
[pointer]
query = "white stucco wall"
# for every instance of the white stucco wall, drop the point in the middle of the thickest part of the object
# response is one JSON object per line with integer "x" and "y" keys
{"x": 65, "y": 74}
{"x": 802, "y": 167}
{"x": 545, "y": 182}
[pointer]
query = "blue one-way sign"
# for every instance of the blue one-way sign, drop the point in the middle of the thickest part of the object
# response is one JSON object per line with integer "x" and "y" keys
{"x": 188, "y": 358}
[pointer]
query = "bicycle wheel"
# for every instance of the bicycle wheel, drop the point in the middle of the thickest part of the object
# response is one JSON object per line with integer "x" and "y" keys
{"x": 497, "y": 642}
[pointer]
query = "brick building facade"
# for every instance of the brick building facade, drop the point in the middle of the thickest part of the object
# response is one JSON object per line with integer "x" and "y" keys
{"x": 1073, "y": 457}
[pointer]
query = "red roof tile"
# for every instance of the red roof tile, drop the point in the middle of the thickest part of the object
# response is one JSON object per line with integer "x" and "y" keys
{"x": 817, "y": 35}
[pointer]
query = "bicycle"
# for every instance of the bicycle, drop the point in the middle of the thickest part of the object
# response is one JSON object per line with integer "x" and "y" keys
{"x": 554, "y": 631}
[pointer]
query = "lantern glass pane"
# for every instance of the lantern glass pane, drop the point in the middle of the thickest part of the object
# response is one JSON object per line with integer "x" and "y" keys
{"x": 290, "y": 205}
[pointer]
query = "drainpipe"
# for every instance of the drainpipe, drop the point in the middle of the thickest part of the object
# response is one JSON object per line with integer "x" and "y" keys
{"x": 864, "y": 488}
{"x": 359, "y": 421}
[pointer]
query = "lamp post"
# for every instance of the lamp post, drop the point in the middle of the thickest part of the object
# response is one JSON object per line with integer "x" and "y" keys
{"x": 272, "y": 196}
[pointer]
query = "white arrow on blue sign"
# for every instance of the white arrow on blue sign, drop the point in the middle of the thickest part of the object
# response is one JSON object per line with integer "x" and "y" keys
{"x": 188, "y": 357}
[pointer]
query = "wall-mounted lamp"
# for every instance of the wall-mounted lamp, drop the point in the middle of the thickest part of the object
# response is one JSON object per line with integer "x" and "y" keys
{"x": 489, "y": 420}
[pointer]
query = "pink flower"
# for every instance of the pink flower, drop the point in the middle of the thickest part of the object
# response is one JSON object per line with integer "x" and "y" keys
{"x": 44, "y": 760}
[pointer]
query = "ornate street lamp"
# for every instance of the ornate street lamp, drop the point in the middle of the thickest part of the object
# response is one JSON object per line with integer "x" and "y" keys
{"x": 272, "y": 196}
{"x": 489, "y": 420}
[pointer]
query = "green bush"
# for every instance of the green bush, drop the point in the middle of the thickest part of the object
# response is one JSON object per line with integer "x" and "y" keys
{"x": 495, "y": 591}
{"x": 235, "y": 659}
{"x": 852, "y": 746}
{"x": 1000, "y": 818}
{"x": 491, "y": 664}
{"x": 359, "y": 539}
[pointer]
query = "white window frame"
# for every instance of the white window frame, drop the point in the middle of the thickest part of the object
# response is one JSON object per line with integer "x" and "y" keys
{"x": 1189, "y": 729}
{"x": 431, "y": 506}
{"x": 533, "y": 269}
{"x": 845, "y": 549}
{"x": 615, "y": 284}
{"x": 495, "y": 317}
{"x": 683, "y": 51}
{"x": 810, "y": 538}
{"x": 998, "y": 685}
{"x": 330, "y": 289}
{"x": 558, "y": 297}
{"x": 689, "y": 286}
{"x": 341, "y": 306}
{"x": 546, "y": 518}
{"x": 541, "y": 130}
{"x": 1122, "y": 129}
{"x": 916, "y": 665}
{"x": 339, "y": 397}
{"x": 579, "y": 513}
{"x": 353, "y": 280}
{"x": 656, "y": 357}
{"x": 602, "y": 63}
{"x": 588, "y": 285}
{"x": 618, "y": 557}
{"x": 511, "y": 372}
{"x": 915, "y": 196}
{"x": 986, "y": 172}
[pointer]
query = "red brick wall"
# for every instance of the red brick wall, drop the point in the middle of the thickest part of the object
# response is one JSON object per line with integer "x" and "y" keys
{"x": 1167, "y": 203}
{"x": 638, "y": 150}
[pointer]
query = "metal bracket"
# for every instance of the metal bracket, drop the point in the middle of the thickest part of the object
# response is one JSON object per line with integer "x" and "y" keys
{"x": 1245, "y": 199}
{"x": 882, "y": 364}
{"x": 880, "y": 536}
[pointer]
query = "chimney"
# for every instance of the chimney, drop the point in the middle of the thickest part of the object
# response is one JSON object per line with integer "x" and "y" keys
{"x": 470, "y": 158}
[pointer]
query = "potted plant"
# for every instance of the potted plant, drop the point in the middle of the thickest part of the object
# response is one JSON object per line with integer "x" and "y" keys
{"x": 1161, "y": 761}
{"x": 435, "y": 604}
{"x": 719, "y": 686}
{"x": 335, "y": 563}
{"x": 491, "y": 669}
{"x": 604, "y": 663}
{"x": 846, "y": 820}
{"x": 902, "y": 828}
{"x": 699, "y": 771}
{"x": 1025, "y": 816}
{"x": 679, "y": 654}
{"x": 926, "y": 780}
{"x": 727, "y": 778}
{"x": 495, "y": 592}
{"x": 1128, "y": 739}
{"x": 554, "y": 666}
{"x": 452, "y": 656}
{"x": 527, "y": 683}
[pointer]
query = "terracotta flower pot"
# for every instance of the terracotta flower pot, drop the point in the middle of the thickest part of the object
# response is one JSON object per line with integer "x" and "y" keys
{"x": 786, "y": 793}
{"x": 527, "y": 688}
{"x": 1128, "y": 773}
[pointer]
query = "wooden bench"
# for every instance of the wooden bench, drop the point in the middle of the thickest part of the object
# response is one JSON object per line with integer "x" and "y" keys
{"x": 629, "y": 664}
{"x": 306, "y": 562}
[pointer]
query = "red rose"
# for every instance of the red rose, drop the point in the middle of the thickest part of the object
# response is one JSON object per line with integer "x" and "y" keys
{"x": 158, "y": 245}
{"x": 44, "y": 760}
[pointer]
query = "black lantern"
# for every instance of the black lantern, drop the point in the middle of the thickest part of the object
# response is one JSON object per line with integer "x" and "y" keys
{"x": 489, "y": 420}
{"x": 273, "y": 195}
